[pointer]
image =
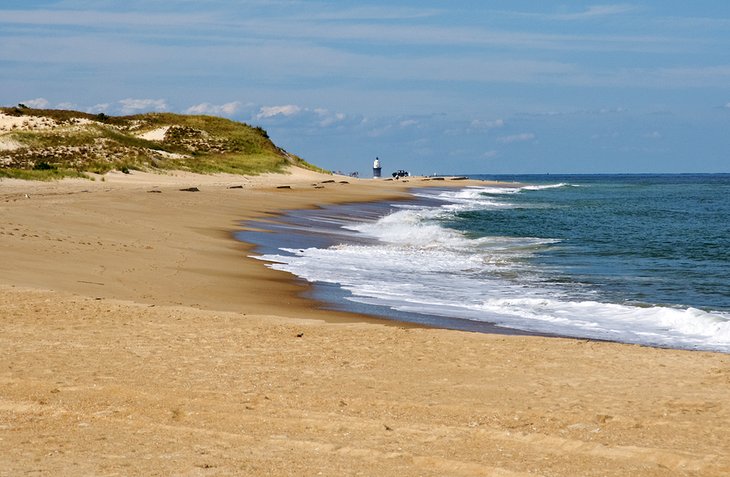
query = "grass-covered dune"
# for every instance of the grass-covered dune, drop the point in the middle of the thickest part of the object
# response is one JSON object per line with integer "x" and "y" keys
{"x": 49, "y": 143}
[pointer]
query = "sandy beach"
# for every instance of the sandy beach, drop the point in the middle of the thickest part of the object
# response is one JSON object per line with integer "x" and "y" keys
{"x": 138, "y": 338}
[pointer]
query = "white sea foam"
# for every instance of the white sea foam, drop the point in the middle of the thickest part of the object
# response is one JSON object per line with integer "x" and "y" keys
{"x": 480, "y": 197}
{"x": 467, "y": 199}
{"x": 547, "y": 186}
{"x": 417, "y": 265}
{"x": 412, "y": 228}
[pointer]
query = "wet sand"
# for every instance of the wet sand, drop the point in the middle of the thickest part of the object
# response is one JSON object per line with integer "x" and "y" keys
{"x": 137, "y": 338}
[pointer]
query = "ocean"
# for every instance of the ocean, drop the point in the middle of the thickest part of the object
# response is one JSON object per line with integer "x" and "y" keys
{"x": 641, "y": 259}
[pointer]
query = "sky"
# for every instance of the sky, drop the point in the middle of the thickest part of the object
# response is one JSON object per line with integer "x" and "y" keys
{"x": 432, "y": 87}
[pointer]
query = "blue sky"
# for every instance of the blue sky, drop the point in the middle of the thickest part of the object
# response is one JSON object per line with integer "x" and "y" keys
{"x": 428, "y": 86}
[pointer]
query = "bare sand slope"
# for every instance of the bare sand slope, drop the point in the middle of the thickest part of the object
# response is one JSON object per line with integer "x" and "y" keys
{"x": 137, "y": 339}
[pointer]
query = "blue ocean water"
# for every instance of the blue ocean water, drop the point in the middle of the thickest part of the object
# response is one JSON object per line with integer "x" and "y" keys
{"x": 631, "y": 258}
{"x": 662, "y": 239}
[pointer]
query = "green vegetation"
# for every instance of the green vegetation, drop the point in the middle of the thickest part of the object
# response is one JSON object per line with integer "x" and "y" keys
{"x": 56, "y": 114}
{"x": 57, "y": 143}
{"x": 40, "y": 174}
{"x": 232, "y": 163}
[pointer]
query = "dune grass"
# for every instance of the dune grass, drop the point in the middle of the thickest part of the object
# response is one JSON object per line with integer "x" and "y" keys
{"x": 40, "y": 174}
{"x": 232, "y": 163}
{"x": 81, "y": 142}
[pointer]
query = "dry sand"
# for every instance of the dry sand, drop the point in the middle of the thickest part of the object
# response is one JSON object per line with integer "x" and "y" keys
{"x": 136, "y": 338}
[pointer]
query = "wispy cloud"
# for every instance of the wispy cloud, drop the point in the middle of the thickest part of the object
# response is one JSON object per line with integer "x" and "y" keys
{"x": 522, "y": 137}
{"x": 482, "y": 125}
{"x": 99, "y": 108}
{"x": 384, "y": 33}
{"x": 370, "y": 25}
{"x": 596, "y": 11}
{"x": 328, "y": 118}
{"x": 96, "y": 17}
{"x": 227, "y": 109}
{"x": 718, "y": 75}
{"x": 273, "y": 111}
{"x": 315, "y": 47}
{"x": 37, "y": 103}
{"x": 132, "y": 105}
{"x": 694, "y": 23}
{"x": 362, "y": 13}
{"x": 67, "y": 105}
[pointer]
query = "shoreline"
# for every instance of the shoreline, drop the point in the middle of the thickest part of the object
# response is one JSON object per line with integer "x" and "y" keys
{"x": 277, "y": 240}
{"x": 293, "y": 229}
{"x": 166, "y": 350}
{"x": 172, "y": 209}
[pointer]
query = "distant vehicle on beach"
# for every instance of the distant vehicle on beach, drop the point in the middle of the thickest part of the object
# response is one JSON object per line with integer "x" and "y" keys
{"x": 400, "y": 173}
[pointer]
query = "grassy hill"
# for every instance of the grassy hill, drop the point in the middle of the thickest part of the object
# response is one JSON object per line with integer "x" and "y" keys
{"x": 49, "y": 143}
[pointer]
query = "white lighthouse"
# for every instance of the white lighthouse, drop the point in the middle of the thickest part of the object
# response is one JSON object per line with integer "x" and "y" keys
{"x": 376, "y": 168}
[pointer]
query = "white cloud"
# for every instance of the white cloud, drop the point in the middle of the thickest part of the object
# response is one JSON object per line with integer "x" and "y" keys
{"x": 67, "y": 106}
{"x": 131, "y": 105}
{"x": 617, "y": 110}
{"x": 702, "y": 76}
{"x": 595, "y": 12}
{"x": 479, "y": 124}
{"x": 271, "y": 111}
{"x": 227, "y": 109}
{"x": 408, "y": 122}
{"x": 38, "y": 103}
{"x": 388, "y": 13}
{"x": 94, "y": 16}
{"x": 653, "y": 135}
{"x": 306, "y": 117}
{"x": 336, "y": 118}
{"x": 516, "y": 138}
{"x": 379, "y": 131}
{"x": 99, "y": 108}
{"x": 727, "y": 105}
{"x": 313, "y": 21}
{"x": 490, "y": 154}
{"x": 328, "y": 118}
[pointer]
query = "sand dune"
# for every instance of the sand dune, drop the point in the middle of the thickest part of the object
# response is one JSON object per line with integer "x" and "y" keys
{"x": 156, "y": 134}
